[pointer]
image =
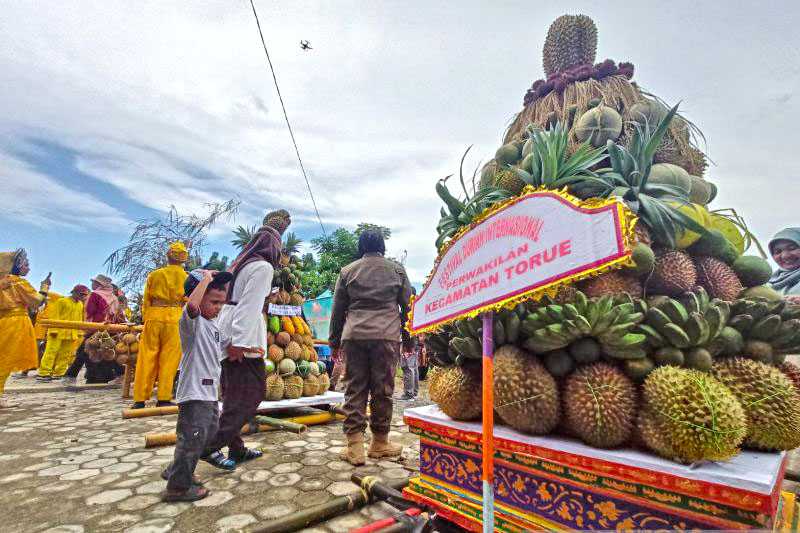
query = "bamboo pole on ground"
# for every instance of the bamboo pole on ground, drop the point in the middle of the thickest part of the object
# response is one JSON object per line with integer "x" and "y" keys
{"x": 154, "y": 440}
{"x": 150, "y": 411}
{"x": 325, "y": 511}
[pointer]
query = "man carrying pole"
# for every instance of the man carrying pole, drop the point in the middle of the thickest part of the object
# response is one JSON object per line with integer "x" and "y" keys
{"x": 160, "y": 344}
{"x": 63, "y": 343}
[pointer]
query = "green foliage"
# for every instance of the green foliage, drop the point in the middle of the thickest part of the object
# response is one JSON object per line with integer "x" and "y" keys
{"x": 364, "y": 226}
{"x": 333, "y": 252}
{"x": 291, "y": 243}
{"x": 243, "y": 235}
{"x": 552, "y": 166}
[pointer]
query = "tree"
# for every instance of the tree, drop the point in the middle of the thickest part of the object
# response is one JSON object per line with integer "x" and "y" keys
{"x": 291, "y": 243}
{"x": 147, "y": 246}
{"x": 364, "y": 226}
{"x": 243, "y": 236}
{"x": 334, "y": 252}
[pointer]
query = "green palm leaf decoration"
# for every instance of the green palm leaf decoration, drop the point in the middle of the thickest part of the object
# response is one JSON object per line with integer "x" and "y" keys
{"x": 291, "y": 243}
{"x": 243, "y": 236}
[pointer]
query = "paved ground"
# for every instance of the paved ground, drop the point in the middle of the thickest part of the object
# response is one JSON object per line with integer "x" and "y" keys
{"x": 70, "y": 463}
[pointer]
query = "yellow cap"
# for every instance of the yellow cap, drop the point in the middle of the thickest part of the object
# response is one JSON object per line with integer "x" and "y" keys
{"x": 178, "y": 248}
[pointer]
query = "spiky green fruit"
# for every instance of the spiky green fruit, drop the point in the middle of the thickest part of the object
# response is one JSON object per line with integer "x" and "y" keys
{"x": 600, "y": 405}
{"x": 690, "y": 416}
{"x": 525, "y": 394}
{"x": 770, "y": 402}
{"x": 458, "y": 392}
{"x": 571, "y": 40}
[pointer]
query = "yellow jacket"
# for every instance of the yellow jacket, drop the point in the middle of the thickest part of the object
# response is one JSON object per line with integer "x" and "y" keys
{"x": 67, "y": 309}
{"x": 163, "y": 294}
{"x": 47, "y": 312}
{"x": 17, "y": 296}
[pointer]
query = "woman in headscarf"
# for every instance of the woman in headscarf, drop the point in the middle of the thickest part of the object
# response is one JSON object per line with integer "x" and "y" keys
{"x": 785, "y": 250}
{"x": 18, "y": 349}
{"x": 243, "y": 371}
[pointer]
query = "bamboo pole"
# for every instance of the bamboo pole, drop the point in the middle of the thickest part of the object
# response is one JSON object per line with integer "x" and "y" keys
{"x": 150, "y": 411}
{"x": 127, "y": 379}
{"x": 282, "y": 424}
{"x": 154, "y": 440}
{"x": 325, "y": 511}
{"x": 88, "y": 326}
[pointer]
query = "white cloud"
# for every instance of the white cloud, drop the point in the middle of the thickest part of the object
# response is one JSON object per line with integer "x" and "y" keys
{"x": 32, "y": 197}
{"x": 171, "y": 103}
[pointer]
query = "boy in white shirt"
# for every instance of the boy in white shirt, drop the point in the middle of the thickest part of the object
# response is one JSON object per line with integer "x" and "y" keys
{"x": 203, "y": 346}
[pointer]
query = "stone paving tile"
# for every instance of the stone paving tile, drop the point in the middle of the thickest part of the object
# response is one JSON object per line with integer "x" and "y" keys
{"x": 74, "y": 449}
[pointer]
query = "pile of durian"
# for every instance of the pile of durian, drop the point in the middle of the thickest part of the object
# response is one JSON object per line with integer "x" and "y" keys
{"x": 683, "y": 351}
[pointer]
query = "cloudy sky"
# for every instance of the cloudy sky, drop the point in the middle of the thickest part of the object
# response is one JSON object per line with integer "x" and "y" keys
{"x": 113, "y": 111}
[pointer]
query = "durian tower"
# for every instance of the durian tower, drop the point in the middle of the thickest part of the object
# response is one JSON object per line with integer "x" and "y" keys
{"x": 682, "y": 351}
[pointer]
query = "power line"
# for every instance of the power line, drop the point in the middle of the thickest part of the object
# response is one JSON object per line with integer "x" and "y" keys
{"x": 288, "y": 124}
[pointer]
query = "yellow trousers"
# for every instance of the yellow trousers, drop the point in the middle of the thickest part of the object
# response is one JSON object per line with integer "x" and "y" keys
{"x": 58, "y": 355}
{"x": 17, "y": 345}
{"x": 159, "y": 357}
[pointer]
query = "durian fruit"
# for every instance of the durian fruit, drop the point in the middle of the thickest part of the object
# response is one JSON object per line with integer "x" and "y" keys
{"x": 674, "y": 273}
{"x": 275, "y": 387}
{"x": 275, "y": 353}
{"x": 458, "y": 392}
{"x": 310, "y": 385}
{"x": 752, "y": 270}
{"x": 293, "y": 351}
{"x": 487, "y": 174}
{"x": 296, "y": 299}
{"x": 434, "y": 374}
{"x": 508, "y": 180}
{"x": 283, "y": 339}
{"x": 770, "y": 402}
{"x": 525, "y": 394}
{"x": 571, "y": 40}
{"x": 611, "y": 284}
{"x": 688, "y": 416}
{"x": 599, "y": 404}
{"x": 293, "y": 387}
{"x": 718, "y": 278}
{"x": 598, "y": 126}
{"x": 791, "y": 371}
{"x": 324, "y": 383}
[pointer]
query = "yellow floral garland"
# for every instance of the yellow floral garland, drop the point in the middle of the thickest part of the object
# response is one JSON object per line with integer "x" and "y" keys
{"x": 625, "y": 216}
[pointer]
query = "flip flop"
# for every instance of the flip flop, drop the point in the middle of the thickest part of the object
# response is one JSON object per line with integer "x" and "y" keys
{"x": 192, "y": 494}
{"x": 218, "y": 460}
{"x": 195, "y": 480}
{"x": 248, "y": 455}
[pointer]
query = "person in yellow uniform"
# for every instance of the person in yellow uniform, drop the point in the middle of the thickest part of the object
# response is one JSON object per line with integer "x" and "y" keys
{"x": 41, "y": 332}
{"x": 17, "y": 297}
{"x": 160, "y": 344}
{"x": 63, "y": 343}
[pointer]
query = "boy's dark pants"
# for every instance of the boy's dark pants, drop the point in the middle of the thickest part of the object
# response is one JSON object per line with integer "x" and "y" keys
{"x": 197, "y": 425}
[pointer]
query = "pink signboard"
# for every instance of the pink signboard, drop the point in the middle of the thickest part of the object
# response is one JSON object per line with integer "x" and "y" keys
{"x": 526, "y": 246}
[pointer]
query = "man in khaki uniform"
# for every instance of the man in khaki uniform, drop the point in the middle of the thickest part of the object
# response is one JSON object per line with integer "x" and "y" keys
{"x": 370, "y": 305}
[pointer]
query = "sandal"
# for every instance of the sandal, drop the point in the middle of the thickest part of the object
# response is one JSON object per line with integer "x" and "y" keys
{"x": 192, "y": 494}
{"x": 218, "y": 460}
{"x": 248, "y": 455}
{"x": 195, "y": 480}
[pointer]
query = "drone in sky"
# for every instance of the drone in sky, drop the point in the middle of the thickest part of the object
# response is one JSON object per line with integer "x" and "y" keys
{"x": 305, "y": 45}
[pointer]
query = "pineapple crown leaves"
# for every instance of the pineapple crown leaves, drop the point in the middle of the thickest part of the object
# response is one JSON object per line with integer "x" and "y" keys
{"x": 628, "y": 178}
{"x": 551, "y": 165}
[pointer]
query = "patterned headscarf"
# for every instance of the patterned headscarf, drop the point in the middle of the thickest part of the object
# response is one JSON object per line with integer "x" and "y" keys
{"x": 10, "y": 261}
